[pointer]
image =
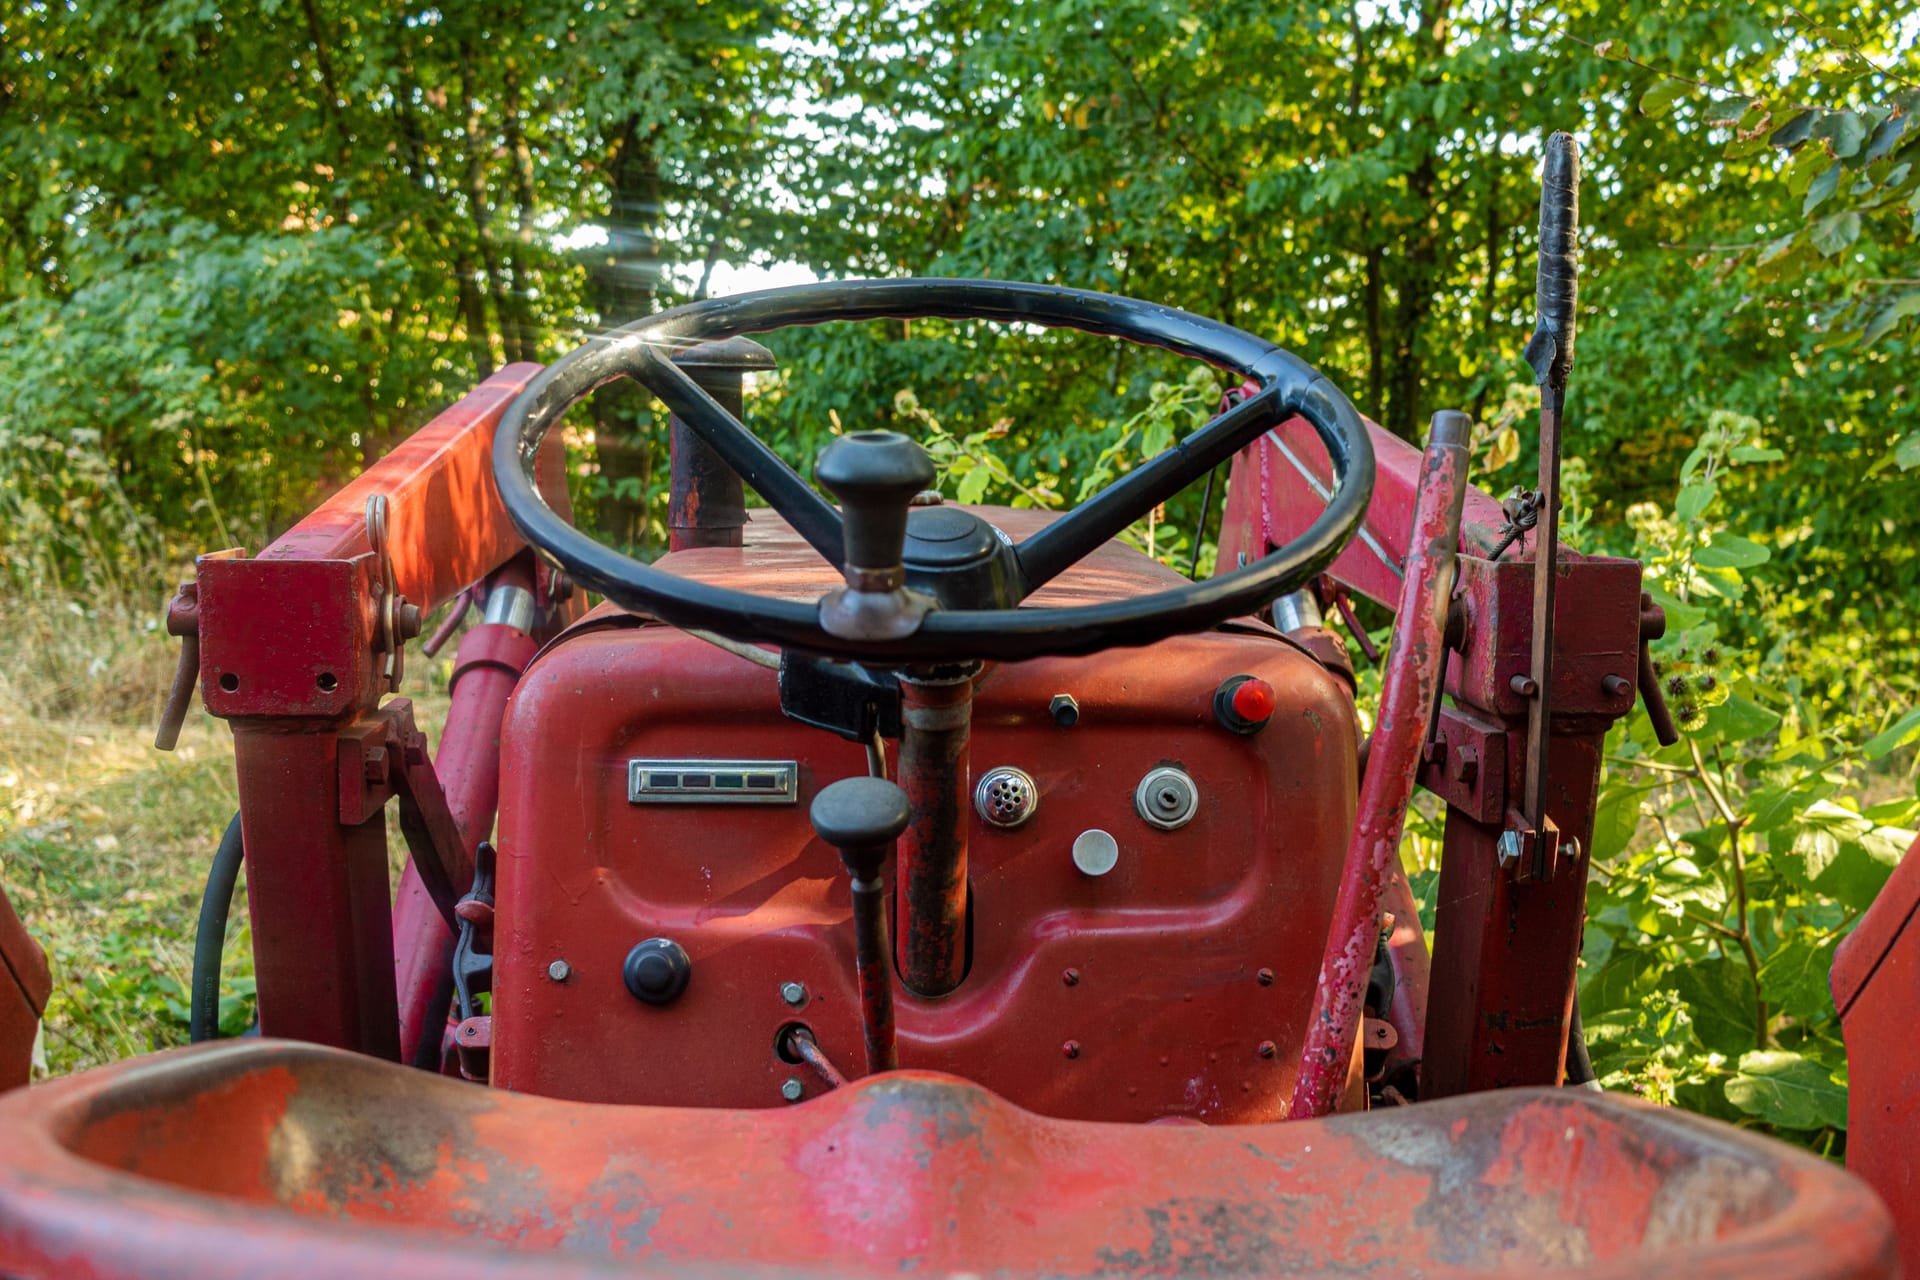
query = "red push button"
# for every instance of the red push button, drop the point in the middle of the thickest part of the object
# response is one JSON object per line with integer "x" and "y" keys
{"x": 1244, "y": 704}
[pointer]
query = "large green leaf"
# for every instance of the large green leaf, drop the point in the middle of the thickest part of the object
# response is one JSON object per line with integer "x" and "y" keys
{"x": 1835, "y": 232}
{"x": 1788, "y": 1090}
{"x": 1719, "y": 995}
{"x": 1794, "y": 978}
{"x": 1896, "y": 735}
{"x": 1731, "y": 551}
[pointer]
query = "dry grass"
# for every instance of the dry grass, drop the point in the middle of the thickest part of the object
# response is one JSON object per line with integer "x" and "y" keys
{"x": 104, "y": 841}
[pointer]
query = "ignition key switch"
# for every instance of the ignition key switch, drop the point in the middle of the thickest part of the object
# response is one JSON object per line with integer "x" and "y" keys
{"x": 1166, "y": 798}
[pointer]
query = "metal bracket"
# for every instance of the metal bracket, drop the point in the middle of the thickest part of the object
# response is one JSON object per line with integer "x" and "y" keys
{"x": 396, "y": 620}
{"x": 385, "y": 755}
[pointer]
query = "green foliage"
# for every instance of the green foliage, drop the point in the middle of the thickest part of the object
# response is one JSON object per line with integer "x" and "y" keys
{"x": 253, "y": 245}
{"x": 1727, "y": 868}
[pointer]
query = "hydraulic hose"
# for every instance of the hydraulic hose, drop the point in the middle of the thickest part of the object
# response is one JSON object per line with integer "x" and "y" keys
{"x": 210, "y": 940}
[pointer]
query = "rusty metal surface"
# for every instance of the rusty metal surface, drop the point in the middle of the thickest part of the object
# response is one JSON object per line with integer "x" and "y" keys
{"x": 1508, "y": 951}
{"x": 444, "y": 516}
{"x": 25, "y": 985}
{"x": 289, "y": 653}
{"x": 488, "y": 666}
{"x": 1876, "y": 988}
{"x": 1414, "y": 668}
{"x": 930, "y": 885}
{"x": 1167, "y": 949}
{"x": 234, "y": 1160}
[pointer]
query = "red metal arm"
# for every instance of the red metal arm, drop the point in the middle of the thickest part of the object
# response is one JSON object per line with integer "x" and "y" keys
{"x": 1504, "y": 953}
{"x": 1413, "y": 677}
{"x": 288, "y": 657}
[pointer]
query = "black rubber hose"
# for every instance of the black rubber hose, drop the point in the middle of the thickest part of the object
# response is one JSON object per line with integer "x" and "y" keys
{"x": 203, "y": 1018}
{"x": 1579, "y": 1061}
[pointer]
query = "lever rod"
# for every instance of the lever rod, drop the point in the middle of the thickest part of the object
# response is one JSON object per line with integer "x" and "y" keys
{"x": 1550, "y": 352}
{"x": 862, "y": 818}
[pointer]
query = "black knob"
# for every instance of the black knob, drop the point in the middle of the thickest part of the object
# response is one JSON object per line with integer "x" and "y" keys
{"x": 860, "y": 813}
{"x": 875, "y": 475}
{"x": 657, "y": 970}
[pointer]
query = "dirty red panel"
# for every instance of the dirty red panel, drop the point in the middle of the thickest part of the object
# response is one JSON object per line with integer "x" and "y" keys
{"x": 242, "y": 1160}
{"x": 445, "y": 522}
{"x": 1167, "y": 1003}
{"x": 1876, "y": 987}
{"x": 25, "y": 985}
{"x": 1270, "y": 501}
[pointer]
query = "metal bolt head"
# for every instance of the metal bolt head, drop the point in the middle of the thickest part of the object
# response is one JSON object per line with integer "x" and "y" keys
{"x": 1265, "y": 976}
{"x": 1071, "y": 977}
{"x": 791, "y": 1089}
{"x": 1508, "y": 849}
{"x": 1524, "y": 686}
{"x": 1266, "y": 1048}
{"x": 1070, "y": 1049}
{"x": 1066, "y": 712}
{"x": 794, "y": 993}
{"x": 559, "y": 971}
{"x": 1615, "y": 685}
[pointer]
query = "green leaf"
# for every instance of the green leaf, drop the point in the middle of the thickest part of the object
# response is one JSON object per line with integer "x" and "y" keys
{"x": 1835, "y": 232}
{"x": 1894, "y": 736}
{"x": 1821, "y": 187}
{"x": 1661, "y": 95}
{"x": 973, "y": 485}
{"x": 1615, "y": 821}
{"x": 1728, "y": 110}
{"x": 1794, "y": 978}
{"x": 1741, "y": 719}
{"x": 1908, "y": 304}
{"x": 1693, "y": 500}
{"x": 1789, "y": 1091}
{"x": 1730, "y": 551}
{"x": 1844, "y": 131}
{"x": 1719, "y": 995}
{"x": 1771, "y": 807}
{"x": 1907, "y": 452}
{"x": 1793, "y": 132}
{"x": 1884, "y": 138}
{"x": 1757, "y": 453}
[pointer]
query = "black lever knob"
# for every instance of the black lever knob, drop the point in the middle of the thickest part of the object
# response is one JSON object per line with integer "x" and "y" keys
{"x": 862, "y": 817}
{"x": 875, "y": 475}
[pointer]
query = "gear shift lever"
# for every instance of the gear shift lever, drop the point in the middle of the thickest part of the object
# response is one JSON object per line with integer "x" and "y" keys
{"x": 862, "y": 818}
{"x": 875, "y": 475}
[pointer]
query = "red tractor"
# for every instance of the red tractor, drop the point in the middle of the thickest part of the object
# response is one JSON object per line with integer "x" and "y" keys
{"x": 889, "y": 885}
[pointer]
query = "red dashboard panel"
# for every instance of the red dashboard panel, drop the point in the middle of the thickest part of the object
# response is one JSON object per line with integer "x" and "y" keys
{"x": 1174, "y": 985}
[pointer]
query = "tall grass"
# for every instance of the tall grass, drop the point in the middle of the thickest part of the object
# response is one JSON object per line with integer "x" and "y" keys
{"x": 103, "y": 840}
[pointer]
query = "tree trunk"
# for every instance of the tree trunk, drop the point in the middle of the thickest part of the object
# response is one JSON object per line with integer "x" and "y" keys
{"x": 622, "y": 281}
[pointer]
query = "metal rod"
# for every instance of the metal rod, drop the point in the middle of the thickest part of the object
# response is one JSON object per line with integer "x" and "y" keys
{"x": 802, "y": 1045}
{"x": 1551, "y": 354}
{"x": 873, "y": 965}
{"x": 937, "y": 716}
{"x": 1413, "y": 663}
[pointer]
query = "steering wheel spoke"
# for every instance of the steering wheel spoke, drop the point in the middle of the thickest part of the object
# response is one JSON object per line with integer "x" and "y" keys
{"x": 765, "y": 471}
{"x": 1107, "y": 514}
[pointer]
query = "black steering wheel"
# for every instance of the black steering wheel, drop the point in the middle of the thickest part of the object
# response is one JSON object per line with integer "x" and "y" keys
{"x": 876, "y": 618}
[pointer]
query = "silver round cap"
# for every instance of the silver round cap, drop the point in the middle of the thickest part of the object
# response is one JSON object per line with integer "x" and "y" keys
{"x": 1005, "y": 796}
{"x": 1095, "y": 852}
